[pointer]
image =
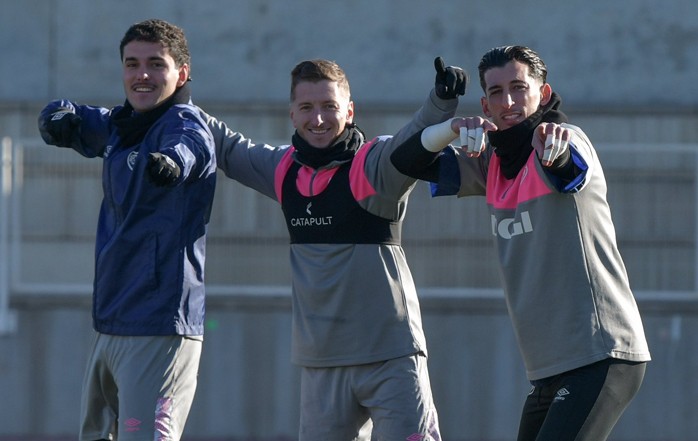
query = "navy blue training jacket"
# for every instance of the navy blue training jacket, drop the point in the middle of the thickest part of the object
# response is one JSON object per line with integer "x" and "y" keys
{"x": 150, "y": 245}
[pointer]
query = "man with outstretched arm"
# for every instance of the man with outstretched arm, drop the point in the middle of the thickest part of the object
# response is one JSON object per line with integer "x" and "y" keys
{"x": 158, "y": 178}
{"x": 569, "y": 299}
{"x": 357, "y": 328}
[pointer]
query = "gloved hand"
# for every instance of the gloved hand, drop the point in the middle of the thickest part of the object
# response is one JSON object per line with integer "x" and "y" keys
{"x": 61, "y": 128}
{"x": 451, "y": 81}
{"x": 162, "y": 169}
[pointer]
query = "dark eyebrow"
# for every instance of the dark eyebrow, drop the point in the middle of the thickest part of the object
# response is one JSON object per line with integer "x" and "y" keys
{"x": 154, "y": 58}
{"x": 513, "y": 82}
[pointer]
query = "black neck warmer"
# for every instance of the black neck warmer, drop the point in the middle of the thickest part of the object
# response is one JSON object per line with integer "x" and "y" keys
{"x": 342, "y": 150}
{"x": 133, "y": 126}
{"x": 513, "y": 145}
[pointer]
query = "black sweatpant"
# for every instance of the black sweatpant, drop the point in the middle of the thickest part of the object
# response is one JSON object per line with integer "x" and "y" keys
{"x": 580, "y": 405}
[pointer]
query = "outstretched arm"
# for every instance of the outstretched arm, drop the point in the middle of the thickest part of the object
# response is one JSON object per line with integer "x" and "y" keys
{"x": 418, "y": 157}
{"x": 85, "y": 129}
{"x": 253, "y": 165}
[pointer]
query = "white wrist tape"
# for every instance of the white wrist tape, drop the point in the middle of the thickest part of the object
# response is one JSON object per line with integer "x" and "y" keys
{"x": 435, "y": 138}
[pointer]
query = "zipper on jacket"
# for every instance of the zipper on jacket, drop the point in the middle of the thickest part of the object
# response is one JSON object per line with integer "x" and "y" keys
{"x": 311, "y": 184}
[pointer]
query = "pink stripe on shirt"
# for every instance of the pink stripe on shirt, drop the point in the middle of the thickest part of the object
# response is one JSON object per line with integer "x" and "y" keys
{"x": 280, "y": 172}
{"x": 505, "y": 193}
{"x": 361, "y": 188}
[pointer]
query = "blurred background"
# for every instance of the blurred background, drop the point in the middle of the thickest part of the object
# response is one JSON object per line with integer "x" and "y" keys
{"x": 626, "y": 72}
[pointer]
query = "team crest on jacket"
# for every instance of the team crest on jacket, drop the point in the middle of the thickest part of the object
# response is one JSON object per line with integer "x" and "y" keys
{"x": 131, "y": 160}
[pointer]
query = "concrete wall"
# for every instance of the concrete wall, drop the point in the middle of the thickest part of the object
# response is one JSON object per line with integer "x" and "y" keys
{"x": 601, "y": 54}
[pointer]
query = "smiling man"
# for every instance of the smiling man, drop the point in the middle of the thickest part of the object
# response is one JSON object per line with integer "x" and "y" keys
{"x": 357, "y": 327}
{"x": 574, "y": 315}
{"x": 158, "y": 181}
{"x": 151, "y": 75}
{"x": 321, "y": 110}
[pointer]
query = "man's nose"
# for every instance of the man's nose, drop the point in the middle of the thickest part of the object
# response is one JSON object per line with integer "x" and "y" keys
{"x": 143, "y": 74}
{"x": 508, "y": 101}
{"x": 317, "y": 117}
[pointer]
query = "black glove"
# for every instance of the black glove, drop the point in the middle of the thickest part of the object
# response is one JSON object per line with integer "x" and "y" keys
{"x": 62, "y": 128}
{"x": 450, "y": 82}
{"x": 163, "y": 170}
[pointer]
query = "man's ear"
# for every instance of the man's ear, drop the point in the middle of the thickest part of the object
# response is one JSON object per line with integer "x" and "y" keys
{"x": 350, "y": 112}
{"x": 546, "y": 92}
{"x": 485, "y": 107}
{"x": 183, "y": 75}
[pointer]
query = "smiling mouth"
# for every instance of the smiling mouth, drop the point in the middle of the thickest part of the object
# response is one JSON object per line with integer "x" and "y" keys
{"x": 511, "y": 117}
{"x": 143, "y": 88}
{"x": 318, "y": 131}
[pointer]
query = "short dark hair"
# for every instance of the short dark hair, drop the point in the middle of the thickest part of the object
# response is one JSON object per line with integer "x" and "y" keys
{"x": 318, "y": 70}
{"x": 159, "y": 31}
{"x": 499, "y": 56}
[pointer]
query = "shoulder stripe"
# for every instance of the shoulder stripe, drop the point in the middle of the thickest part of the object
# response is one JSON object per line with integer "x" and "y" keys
{"x": 361, "y": 188}
{"x": 281, "y": 170}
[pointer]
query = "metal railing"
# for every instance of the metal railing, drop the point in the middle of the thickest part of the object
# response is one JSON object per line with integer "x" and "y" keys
{"x": 10, "y": 173}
